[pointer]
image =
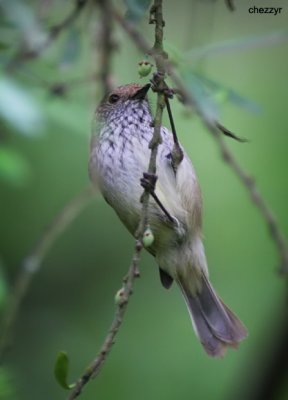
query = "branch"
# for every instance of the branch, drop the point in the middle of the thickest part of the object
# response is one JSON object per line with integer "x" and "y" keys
{"x": 24, "y": 55}
{"x": 33, "y": 262}
{"x": 106, "y": 45}
{"x": 126, "y": 291}
{"x": 214, "y": 129}
{"x": 230, "y": 5}
{"x": 177, "y": 152}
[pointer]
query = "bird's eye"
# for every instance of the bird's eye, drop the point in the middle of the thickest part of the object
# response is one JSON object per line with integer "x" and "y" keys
{"x": 113, "y": 98}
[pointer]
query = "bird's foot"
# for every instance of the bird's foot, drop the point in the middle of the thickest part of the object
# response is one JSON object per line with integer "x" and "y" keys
{"x": 148, "y": 182}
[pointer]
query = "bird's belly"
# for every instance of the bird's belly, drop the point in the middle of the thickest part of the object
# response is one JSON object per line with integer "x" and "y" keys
{"x": 119, "y": 182}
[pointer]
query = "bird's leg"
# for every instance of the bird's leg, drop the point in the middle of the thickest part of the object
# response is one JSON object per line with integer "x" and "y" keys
{"x": 159, "y": 85}
{"x": 148, "y": 182}
{"x": 177, "y": 152}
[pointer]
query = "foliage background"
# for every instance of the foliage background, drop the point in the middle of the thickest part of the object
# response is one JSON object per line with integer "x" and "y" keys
{"x": 70, "y": 303}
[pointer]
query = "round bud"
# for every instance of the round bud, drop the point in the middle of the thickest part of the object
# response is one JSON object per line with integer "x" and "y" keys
{"x": 144, "y": 68}
{"x": 148, "y": 237}
{"x": 119, "y": 297}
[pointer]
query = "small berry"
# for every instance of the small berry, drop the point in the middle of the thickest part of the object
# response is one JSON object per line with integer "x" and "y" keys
{"x": 148, "y": 237}
{"x": 144, "y": 68}
{"x": 119, "y": 297}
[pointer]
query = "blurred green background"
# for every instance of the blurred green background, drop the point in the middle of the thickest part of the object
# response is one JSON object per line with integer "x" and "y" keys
{"x": 43, "y": 164}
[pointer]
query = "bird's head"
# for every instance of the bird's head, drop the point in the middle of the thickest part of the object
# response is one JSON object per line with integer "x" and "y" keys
{"x": 122, "y": 100}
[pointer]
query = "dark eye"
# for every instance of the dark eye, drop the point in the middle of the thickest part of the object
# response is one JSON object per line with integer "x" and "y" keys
{"x": 113, "y": 98}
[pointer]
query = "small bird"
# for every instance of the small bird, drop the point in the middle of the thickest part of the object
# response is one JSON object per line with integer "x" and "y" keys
{"x": 119, "y": 156}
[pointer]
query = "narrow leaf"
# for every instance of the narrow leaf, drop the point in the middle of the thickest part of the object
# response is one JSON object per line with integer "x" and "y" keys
{"x": 3, "y": 289}
{"x": 72, "y": 47}
{"x": 223, "y": 92}
{"x": 6, "y": 384}
{"x": 4, "y": 46}
{"x": 61, "y": 370}
{"x": 205, "y": 104}
{"x": 18, "y": 108}
{"x": 136, "y": 9}
{"x": 23, "y": 17}
{"x": 229, "y": 46}
{"x": 13, "y": 167}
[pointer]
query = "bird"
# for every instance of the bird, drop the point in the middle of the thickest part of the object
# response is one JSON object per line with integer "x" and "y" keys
{"x": 119, "y": 154}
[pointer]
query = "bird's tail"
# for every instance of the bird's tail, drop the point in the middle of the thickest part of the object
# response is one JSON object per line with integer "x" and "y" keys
{"x": 214, "y": 323}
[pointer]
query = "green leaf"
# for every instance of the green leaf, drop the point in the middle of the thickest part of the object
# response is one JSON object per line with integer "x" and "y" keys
{"x": 231, "y": 45}
{"x": 72, "y": 47}
{"x": 136, "y": 9}
{"x": 222, "y": 93}
{"x": 3, "y": 289}
{"x": 13, "y": 167}
{"x": 175, "y": 54}
{"x": 4, "y": 45}
{"x": 22, "y": 16}
{"x": 61, "y": 370}
{"x": 204, "y": 102}
{"x": 18, "y": 108}
{"x": 6, "y": 391}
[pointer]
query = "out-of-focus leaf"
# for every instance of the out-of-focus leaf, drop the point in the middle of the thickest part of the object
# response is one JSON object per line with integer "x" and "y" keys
{"x": 3, "y": 293}
{"x": 136, "y": 9}
{"x": 205, "y": 89}
{"x": 61, "y": 370}
{"x": 13, "y": 168}
{"x": 72, "y": 47}
{"x": 6, "y": 391}
{"x": 228, "y": 46}
{"x": 4, "y": 22}
{"x": 23, "y": 17}
{"x": 18, "y": 108}
{"x": 4, "y": 46}
{"x": 222, "y": 94}
{"x": 204, "y": 101}
{"x": 174, "y": 53}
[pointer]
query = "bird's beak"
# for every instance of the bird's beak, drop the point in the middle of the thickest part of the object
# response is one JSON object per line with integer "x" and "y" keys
{"x": 141, "y": 93}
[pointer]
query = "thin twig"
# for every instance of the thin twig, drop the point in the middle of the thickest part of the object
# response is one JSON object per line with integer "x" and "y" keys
{"x": 230, "y": 5}
{"x": 105, "y": 45}
{"x": 228, "y": 133}
{"x": 257, "y": 199}
{"x": 24, "y": 55}
{"x": 177, "y": 152}
{"x": 250, "y": 186}
{"x": 33, "y": 262}
{"x": 95, "y": 367}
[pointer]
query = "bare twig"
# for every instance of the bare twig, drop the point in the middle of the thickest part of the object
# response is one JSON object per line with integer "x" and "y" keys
{"x": 24, "y": 55}
{"x": 212, "y": 127}
{"x": 230, "y": 5}
{"x": 95, "y": 367}
{"x": 61, "y": 89}
{"x": 228, "y": 133}
{"x": 106, "y": 45}
{"x": 33, "y": 262}
{"x": 258, "y": 200}
{"x": 177, "y": 152}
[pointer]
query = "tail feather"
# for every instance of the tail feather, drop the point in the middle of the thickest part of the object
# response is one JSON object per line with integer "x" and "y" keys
{"x": 215, "y": 324}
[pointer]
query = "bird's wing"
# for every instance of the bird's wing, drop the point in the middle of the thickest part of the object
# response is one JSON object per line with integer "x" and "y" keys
{"x": 178, "y": 190}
